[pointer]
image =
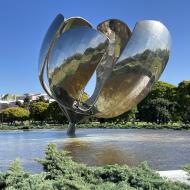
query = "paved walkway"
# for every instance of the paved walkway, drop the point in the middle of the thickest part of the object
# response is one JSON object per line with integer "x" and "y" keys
{"x": 176, "y": 175}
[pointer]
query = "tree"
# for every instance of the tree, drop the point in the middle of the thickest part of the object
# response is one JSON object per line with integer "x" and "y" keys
{"x": 128, "y": 116}
{"x": 15, "y": 114}
{"x": 38, "y": 111}
{"x": 55, "y": 114}
{"x": 164, "y": 95}
{"x": 19, "y": 104}
{"x": 157, "y": 110}
{"x": 183, "y": 99}
{"x": 162, "y": 90}
{"x": 41, "y": 99}
{"x": 26, "y": 103}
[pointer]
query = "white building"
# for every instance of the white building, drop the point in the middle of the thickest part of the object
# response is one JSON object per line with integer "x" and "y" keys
{"x": 34, "y": 97}
{"x": 12, "y": 103}
{"x": 19, "y": 98}
{"x": 7, "y": 104}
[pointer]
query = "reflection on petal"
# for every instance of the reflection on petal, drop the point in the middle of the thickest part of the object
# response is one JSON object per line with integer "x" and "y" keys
{"x": 74, "y": 22}
{"x": 118, "y": 34}
{"x": 73, "y": 61}
{"x": 48, "y": 39}
{"x": 139, "y": 66}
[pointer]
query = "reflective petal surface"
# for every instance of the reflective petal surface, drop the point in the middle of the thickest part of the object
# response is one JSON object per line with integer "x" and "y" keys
{"x": 72, "y": 62}
{"x": 74, "y": 22}
{"x": 48, "y": 39}
{"x": 118, "y": 34}
{"x": 139, "y": 66}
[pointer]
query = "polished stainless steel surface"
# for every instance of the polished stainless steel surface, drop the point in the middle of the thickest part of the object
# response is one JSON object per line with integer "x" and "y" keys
{"x": 139, "y": 66}
{"x": 73, "y": 61}
{"x": 118, "y": 34}
{"x": 58, "y": 26}
{"x": 126, "y": 64}
{"x": 45, "y": 47}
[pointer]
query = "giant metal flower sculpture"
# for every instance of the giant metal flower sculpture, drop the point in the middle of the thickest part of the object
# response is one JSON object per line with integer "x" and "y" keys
{"x": 126, "y": 64}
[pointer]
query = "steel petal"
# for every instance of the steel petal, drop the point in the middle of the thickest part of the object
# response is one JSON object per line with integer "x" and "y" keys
{"x": 118, "y": 34}
{"x": 48, "y": 39}
{"x": 72, "y": 61}
{"x": 139, "y": 66}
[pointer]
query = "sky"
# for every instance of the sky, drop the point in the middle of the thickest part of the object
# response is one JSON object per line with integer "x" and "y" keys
{"x": 23, "y": 24}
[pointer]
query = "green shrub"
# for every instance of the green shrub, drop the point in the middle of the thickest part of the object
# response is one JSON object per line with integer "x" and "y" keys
{"x": 15, "y": 114}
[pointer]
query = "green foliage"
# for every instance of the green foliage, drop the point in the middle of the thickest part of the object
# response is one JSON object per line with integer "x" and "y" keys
{"x": 130, "y": 115}
{"x": 183, "y": 97}
{"x": 162, "y": 90}
{"x": 26, "y": 103}
{"x": 157, "y": 110}
{"x": 165, "y": 103}
{"x": 41, "y": 99}
{"x": 125, "y": 125}
{"x": 84, "y": 97}
{"x": 19, "y": 104}
{"x": 15, "y": 174}
{"x": 55, "y": 114}
{"x": 138, "y": 125}
{"x": 160, "y": 105}
{"x": 15, "y": 114}
{"x": 38, "y": 111}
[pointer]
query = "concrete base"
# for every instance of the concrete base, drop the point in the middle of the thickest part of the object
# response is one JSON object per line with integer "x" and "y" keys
{"x": 176, "y": 175}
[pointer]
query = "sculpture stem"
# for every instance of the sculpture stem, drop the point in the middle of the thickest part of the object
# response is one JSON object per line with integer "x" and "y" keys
{"x": 71, "y": 129}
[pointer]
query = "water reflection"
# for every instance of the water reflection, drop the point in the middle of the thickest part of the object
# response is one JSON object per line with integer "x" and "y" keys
{"x": 99, "y": 155}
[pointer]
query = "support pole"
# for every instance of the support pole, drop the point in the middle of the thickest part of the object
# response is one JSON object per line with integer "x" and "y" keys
{"x": 71, "y": 129}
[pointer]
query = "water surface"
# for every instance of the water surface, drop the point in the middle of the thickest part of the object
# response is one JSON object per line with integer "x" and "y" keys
{"x": 162, "y": 149}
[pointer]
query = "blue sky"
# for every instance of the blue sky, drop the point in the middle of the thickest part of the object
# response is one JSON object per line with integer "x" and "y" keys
{"x": 23, "y": 24}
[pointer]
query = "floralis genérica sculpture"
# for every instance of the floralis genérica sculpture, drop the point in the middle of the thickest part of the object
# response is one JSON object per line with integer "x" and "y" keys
{"x": 126, "y": 64}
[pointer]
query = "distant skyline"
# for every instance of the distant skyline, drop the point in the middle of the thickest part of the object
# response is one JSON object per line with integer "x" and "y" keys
{"x": 23, "y": 24}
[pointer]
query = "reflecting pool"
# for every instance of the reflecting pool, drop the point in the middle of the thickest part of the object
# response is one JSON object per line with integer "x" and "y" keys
{"x": 162, "y": 149}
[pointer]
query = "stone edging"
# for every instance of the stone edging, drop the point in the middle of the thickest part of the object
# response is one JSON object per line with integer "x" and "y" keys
{"x": 176, "y": 175}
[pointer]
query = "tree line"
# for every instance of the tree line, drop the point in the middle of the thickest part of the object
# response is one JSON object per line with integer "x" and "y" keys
{"x": 40, "y": 111}
{"x": 165, "y": 103}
